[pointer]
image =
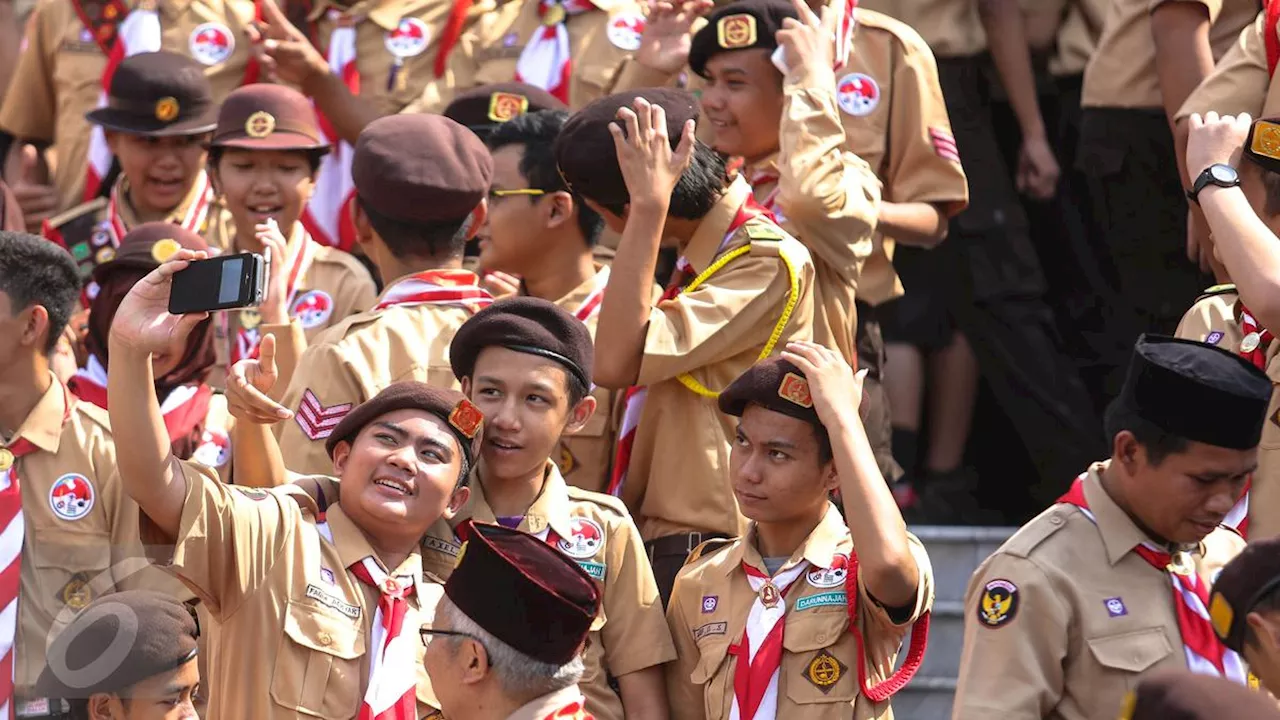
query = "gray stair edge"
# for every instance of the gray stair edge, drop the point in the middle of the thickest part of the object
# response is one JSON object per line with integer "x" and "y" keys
{"x": 922, "y": 683}
{"x": 960, "y": 533}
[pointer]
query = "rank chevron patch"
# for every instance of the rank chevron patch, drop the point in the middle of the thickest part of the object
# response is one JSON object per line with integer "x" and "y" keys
{"x": 316, "y": 420}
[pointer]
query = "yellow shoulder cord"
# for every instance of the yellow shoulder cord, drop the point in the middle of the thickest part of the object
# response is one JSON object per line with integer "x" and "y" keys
{"x": 793, "y": 297}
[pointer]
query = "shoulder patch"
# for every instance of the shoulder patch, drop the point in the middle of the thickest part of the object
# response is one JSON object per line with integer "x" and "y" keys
{"x": 998, "y": 605}
{"x": 707, "y": 549}
{"x": 1036, "y": 532}
{"x": 763, "y": 231}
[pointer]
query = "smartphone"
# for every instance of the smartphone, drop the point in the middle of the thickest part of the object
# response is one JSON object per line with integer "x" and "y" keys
{"x": 221, "y": 283}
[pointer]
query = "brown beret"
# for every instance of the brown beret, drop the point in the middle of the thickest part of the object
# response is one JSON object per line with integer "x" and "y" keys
{"x": 158, "y": 94}
{"x": 528, "y": 325}
{"x": 774, "y": 384}
{"x": 265, "y": 116}
{"x": 1183, "y": 695}
{"x": 148, "y": 245}
{"x": 116, "y": 642}
{"x": 740, "y": 25}
{"x": 1263, "y": 144}
{"x": 523, "y": 592}
{"x": 484, "y": 107}
{"x": 1248, "y": 578}
{"x": 423, "y": 169}
{"x": 584, "y": 149}
{"x": 463, "y": 419}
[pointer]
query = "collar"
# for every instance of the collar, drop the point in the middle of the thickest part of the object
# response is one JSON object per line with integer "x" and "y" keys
{"x": 129, "y": 216}
{"x": 548, "y": 705}
{"x": 706, "y": 241}
{"x": 1120, "y": 535}
{"x": 577, "y": 296}
{"x": 353, "y": 546}
{"x": 767, "y": 167}
{"x": 824, "y": 542}
{"x": 385, "y": 14}
{"x": 447, "y": 277}
{"x": 43, "y": 427}
{"x": 550, "y": 508}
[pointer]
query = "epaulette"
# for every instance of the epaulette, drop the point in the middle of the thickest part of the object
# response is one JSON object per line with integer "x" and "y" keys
{"x": 1222, "y": 289}
{"x": 763, "y": 231}
{"x": 608, "y": 502}
{"x": 95, "y": 414}
{"x": 707, "y": 548}
{"x": 1036, "y": 532}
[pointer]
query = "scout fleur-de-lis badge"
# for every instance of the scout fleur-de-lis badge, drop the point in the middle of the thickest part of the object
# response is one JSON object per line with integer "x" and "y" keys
{"x": 769, "y": 595}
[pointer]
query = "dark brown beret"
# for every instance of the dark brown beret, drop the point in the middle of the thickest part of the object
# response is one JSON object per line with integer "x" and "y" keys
{"x": 740, "y": 25}
{"x": 116, "y": 642}
{"x": 484, "y": 107}
{"x": 1183, "y": 695}
{"x": 148, "y": 245}
{"x": 423, "y": 169}
{"x": 523, "y": 592}
{"x": 265, "y": 116}
{"x": 774, "y": 384}
{"x": 584, "y": 149}
{"x": 1263, "y": 144}
{"x": 158, "y": 94}
{"x": 1244, "y": 581}
{"x": 462, "y": 418}
{"x": 529, "y": 325}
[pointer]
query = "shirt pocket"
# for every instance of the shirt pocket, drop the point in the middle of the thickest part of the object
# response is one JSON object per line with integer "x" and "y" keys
{"x": 819, "y": 665}
{"x": 1123, "y": 657}
{"x": 317, "y": 669}
{"x": 65, "y": 570}
{"x": 712, "y": 673}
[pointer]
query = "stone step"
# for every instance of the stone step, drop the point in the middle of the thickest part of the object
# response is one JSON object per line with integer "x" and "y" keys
{"x": 926, "y": 698}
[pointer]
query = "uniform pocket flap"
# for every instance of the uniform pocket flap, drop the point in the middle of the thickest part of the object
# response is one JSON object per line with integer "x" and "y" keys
{"x": 814, "y": 629}
{"x": 714, "y": 654}
{"x": 323, "y": 632}
{"x": 89, "y": 552}
{"x": 1132, "y": 651}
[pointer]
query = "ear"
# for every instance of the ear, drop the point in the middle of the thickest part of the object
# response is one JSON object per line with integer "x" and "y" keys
{"x": 341, "y": 453}
{"x": 561, "y": 209}
{"x": 35, "y": 331}
{"x": 580, "y": 414}
{"x": 105, "y": 707}
{"x": 456, "y": 502}
{"x": 364, "y": 230}
{"x": 466, "y": 386}
{"x": 475, "y": 662}
{"x": 1264, "y": 629}
{"x": 1126, "y": 450}
{"x": 476, "y": 219}
{"x": 830, "y": 477}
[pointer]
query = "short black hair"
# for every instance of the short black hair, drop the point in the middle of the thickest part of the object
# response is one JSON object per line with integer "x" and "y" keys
{"x": 536, "y": 132}
{"x": 1268, "y": 604}
{"x": 699, "y": 186}
{"x": 34, "y": 271}
{"x": 1158, "y": 442}
{"x": 412, "y": 239}
{"x": 825, "y": 454}
{"x": 314, "y": 156}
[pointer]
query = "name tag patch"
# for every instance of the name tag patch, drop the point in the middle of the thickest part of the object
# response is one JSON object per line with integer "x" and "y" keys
{"x": 595, "y": 570}
{"x": 715, "y": 628}
{"x": 827, "y": 599}
{"x": 316, "y": 593}
{"x": 441, "y": 546}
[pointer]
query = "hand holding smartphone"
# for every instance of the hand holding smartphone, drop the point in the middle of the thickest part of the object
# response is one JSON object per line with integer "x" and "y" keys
{"x": 222, "y": 283}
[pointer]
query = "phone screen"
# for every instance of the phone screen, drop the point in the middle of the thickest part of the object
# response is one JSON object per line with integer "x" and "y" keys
{"x": 229, "y": 288}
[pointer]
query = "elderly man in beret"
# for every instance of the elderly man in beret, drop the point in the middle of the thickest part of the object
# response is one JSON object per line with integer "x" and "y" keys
{"x": 1245, "y": 609}
{"x": 126, "y": 656}
{"x": 322, "y": 596}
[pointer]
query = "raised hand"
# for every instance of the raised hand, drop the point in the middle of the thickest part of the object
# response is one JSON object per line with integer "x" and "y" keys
{"x": 1213, "y": 139}
{"x": 834, "y": 387}
{"x": 284, "y": 51}
{"x": 811, "y": 40}
{"x": 28, "y": 179}
{"x": 275, "y": 300}
{"x": 668, "y": 33}
{"x": 248, "y": 384}
{"x": 142, "y": 323}
{"x": 649, "y": 166}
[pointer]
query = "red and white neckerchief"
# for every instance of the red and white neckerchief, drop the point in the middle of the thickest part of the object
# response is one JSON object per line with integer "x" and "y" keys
{"x": 182, "y": 409}
{"x": 449, "y": 36}
{"x": 575, "y": 710}
{"x": 1256, "y": 340}
{"x": 328, "y": 215}
{"x": 759, "y": 651}
{"x": 1205, "y": 654}
{"x": 193, "y": 219}
{"x": 139, "y": 33}
{"x": 633, "y": 399}
{"x": 438, "y": 287}
{"x": 847, "y": 23}
{"x": 546, "y": 60}
{"x": 247, "y": 339}
{"x": 591, "y": 306}
{"x": 764, "y": 176}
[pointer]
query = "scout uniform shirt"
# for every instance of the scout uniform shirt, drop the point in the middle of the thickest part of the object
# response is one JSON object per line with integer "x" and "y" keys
{"x": 59, "y": 74}
{"x": 1065, "y": 617}
{"x": 1067, "y": 29}
{"x": 951, "y": 27}
{"x": 699, "y": 342}
{"x": 1216, "y": 319}
{"x": 1122, "y": 72}
{"x": 818, "y": 676}
{"x": 295, "y": 635}
{"x": 564, "y": 704}
{"x": 326, "y": 286}
{"x": 629, "y": 633}
{"x": 599, "y": 39}
{"x": 352, "y": 361}
{"x": 1241, "y": 82}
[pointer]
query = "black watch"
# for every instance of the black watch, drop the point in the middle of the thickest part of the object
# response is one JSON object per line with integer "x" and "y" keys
{"x": 1218, "y": 174}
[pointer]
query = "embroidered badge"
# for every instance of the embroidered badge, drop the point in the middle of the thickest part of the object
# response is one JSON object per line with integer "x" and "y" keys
{"x": 624, "y": 30}
{"x": 999, "y": 603}
{"x": 211, "y": 43}
{"x": 409, "y": 38}
{"x": 715, "y": 628}
{"x": 164, "y": 249}
{"x": 260, "y": 124}
{"x": 795, "y": 389}
{"x": 214, "y": 450}
{"x": 327, "y": 575}
{"x": 833, "y": 576}
{"x": 166, "y": 109}
{"x": 566, "y": 462}
{"x": 316, "y": 420}
{"x": 858, "y": 94}
{"x": 944, "y": 144}
{"x": 441, "y": 545}
{"x": 824, "y": 671}
{"x": 594, "y": 569}
{"x": 1266, "y": 139}
{"x": 324, "y": 598}
{"x": 710, "y": 603}
{"x": 1221, "y": 614}
{"x": 736, "y": 31}
{"x": 76, "y": 593}
{"x": 71, "y": 496}
{"x": 467, "y": 418}
{"x": 1115, "y": 607}
{"x": 100, "y": 237}
{"x": 827, "y": 599}
{"x": 586, "y": 540}
{"x": 6, "y": 459}
{"x": 1214, "y": 337}
{"x": 105, "y": 255}
{"x": 312, "y": 309}
{"x": 505, "y": 106}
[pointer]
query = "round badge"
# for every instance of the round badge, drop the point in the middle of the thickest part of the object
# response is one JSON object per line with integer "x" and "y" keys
{"x": 999, "y": 603}
{"x": 260, "y": 124}
{"x": 164, "y": 249}
{"x": 166, "y": 109}
{"x": 6, "y": 459}
{"x": 586, "y": 540}
{"x": 1250, "y": 342}
{"x": 91, "y": 290}
{"x": 312, "y": 308}
{"x": 554, "y": 15}
{"x": 100, "y": 237}
{"x": 214, "y": 450}
{"x": 857, "y": 94}
{"x": 833, "y": 576}
{"x": 212, "y": 43}
{"x": 105, "y": 255}
{"x": 510, "y": 40}
{"x": 625, "y": 29}
{"x": 71, "y": 497}
{"x": 409, "y": 38}
{"x": 250, "y": 319}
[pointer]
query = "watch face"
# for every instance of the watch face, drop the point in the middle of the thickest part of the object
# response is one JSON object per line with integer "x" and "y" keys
{"x": 1223, "y": 173}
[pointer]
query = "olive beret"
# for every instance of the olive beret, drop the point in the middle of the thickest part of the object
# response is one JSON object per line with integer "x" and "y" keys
{"x": 528, "y": 325}
{"x": 740, "y": 25}
{"x": 463, "y": 419}
{"x": 1183, "y": 695}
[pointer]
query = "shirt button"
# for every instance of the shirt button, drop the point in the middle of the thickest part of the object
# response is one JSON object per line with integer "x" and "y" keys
{"x": 1054, "y": 519}
{"x": 325, "y": 638}
{"x": 821, "y": 637}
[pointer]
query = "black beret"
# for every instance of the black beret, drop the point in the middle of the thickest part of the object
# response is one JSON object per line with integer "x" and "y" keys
{"x": 1244, "y": 581}
{"x": 418, "y": 168}
{"x": 484, "y": 107}
{"x": 529, "y": 325}
{"x": 584, "y": 149}
{"x": 148, "y": 245}
{"x": 1183, "y": 695}
{"x": 1263, "y": 145}
{"x": 1196, "y": 391}
{"x": 774, "y": 384}
{"x": 523, "y": 592}
{"x": 740, "y": 25}
{"x": 462, "y": 418}
{"x": 137, "y": 634}
{"x": 158, "y": 94}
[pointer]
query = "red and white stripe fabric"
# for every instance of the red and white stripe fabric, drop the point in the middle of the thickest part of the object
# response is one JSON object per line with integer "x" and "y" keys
{"x": 547, "y": 59}
{"x": 139, "y": 33}
{"x": 1250, "y": 326}
{"x": 393, "y": 676}
{"x": 1238, "y": 518}
{"x": 591, "y": 306}
{"x": 328, "y": 215}
{"x": 438, "y": 287}
{"x": 247, "y": 339}
{"x": 1205, "y": 654}
{"x": 759, "y": 651}
{"x": 193, "y": 219}
{"x": 12, "y": 532}
{"x": 845, "y": 25}
{"x": 944, "y": 144}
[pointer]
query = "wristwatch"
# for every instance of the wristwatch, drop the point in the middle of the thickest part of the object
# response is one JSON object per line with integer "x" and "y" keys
{"x": 1218, "y": 174}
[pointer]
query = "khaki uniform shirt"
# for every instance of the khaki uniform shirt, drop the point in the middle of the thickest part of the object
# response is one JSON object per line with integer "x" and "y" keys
{"x": 1067, "y": 29}
{"x": 1086, "y": 617}
{"x": 1239, "y": 82}
{"x": 629, "y": 633}
{"x": 488, "y": 52}
{"x": 1122, "y": 72}
{"x": 354, "y": 360}
{"x": 1215, "y": 319}
{"x": 295, "y": 630}
{"x": 818, "y": 678}
{"x": 59, "y": 74}
{"x": 679, "y": 471}
{"x": 951, "y": 27}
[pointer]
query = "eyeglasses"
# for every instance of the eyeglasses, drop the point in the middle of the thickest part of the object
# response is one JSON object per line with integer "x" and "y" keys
{"x": 426, "y": 632}
{"x": 531, "y": 192}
